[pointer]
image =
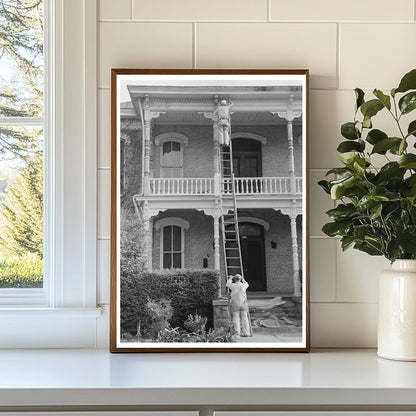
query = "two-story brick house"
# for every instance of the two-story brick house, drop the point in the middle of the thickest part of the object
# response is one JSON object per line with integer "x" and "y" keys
{"x": 170, "y": 165}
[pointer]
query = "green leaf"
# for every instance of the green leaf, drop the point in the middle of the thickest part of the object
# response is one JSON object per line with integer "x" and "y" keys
{"x": 349, "y": 146}
{"x": 375, "y": 211}
{"x": 338, "y": 189}
{"x": 325, "y": 186}
{"x": 408, "y": 102}
{"x": 400, "y": 148}
{"x": 371, "y": 108}
{"x": 349, "y": 131}
{"x": 391, "y": 170}
{"x": 368, "y": 248}
{"x": 346, "y": 242}
{"x": 385, "y": 99}
{"x": 407, "y": 240}
{"x": 360, "y": 231}
{"x": 375, "y": 136}
{"x": 383, "y": 145}
{"x": 338, "y": 171}
{"x": 342, "y": 211}
{"x": 408, "y": 82}
{"x": 359, "y": 94}
{"x": 336, "y": 228}
{"x": 367, "y": 122}
{"x": 411, "y": 130}
{"x": 348, "y": 158}
{"x": 408, "y": 161}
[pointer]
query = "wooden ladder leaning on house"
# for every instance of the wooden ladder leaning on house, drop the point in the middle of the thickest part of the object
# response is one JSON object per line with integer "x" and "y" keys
{"x": 229, "y": 218}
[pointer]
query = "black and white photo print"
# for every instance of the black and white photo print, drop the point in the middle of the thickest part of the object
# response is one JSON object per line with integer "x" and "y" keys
{"x": 209, "y": 211}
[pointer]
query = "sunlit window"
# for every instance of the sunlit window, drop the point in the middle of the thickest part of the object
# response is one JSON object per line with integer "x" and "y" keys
{"x": 21, "y": 143}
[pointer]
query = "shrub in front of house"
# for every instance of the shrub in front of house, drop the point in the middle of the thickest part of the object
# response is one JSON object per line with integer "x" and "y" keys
{"x": 190, "y": 292}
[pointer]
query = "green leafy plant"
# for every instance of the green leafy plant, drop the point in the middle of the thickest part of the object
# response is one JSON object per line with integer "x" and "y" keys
{"x": 376, "y": 210}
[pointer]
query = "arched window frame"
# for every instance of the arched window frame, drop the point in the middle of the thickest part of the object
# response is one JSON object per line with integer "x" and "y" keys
{"x": 163, "y": 138}
{"x": 168, "y": 222}
{"x": 257, "y": 221}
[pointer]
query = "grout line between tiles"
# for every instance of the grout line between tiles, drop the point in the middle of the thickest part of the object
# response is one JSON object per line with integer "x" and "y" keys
{"x": 103, "y": 238}
{"x": 309, "y": 22}
{"x": 338, "y": 58}
{"x": 345, "y": 303}
{"x": 194, "y": 62}
{"x": 336, "y": 271}
{"x": 269, "y": 10}
{"x": 104, "y": 168}
{"x": 131, "y": 9}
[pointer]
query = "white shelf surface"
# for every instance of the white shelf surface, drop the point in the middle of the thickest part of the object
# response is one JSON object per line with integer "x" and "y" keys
{"x": 96, "y": 377}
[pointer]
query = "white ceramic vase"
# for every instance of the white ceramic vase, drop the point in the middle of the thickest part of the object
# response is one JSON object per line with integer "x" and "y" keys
{"x": 397, "y": 312}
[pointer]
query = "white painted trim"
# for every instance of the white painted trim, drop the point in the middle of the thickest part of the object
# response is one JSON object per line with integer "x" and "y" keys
{"x": 70, "y": 212}
{"x": 165, "y": 222}
{"x": 22, "y": 121}
{"x": 257, "y": 221}
{"x": 180, "y": 222}
{"x": 247, "y": 135}
{"x": 171, "y": 137}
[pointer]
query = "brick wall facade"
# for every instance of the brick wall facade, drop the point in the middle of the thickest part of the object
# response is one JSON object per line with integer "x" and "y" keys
{"x": 199, "y": 239}
{"x": 198, "y": 155}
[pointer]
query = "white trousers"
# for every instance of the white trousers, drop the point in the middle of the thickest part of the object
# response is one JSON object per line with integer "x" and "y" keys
{"x": 241, "y": 324}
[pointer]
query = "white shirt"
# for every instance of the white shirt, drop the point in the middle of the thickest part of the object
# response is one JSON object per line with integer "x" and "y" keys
{"x": 238, "y": 292}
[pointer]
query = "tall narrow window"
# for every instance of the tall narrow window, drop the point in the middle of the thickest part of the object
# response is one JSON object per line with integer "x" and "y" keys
{"x": 172, "y": 247}
{"x": 21, "y": 143}
{"x": 171, "y": 162}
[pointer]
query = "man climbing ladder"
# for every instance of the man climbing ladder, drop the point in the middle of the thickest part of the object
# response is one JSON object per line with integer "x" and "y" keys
{"x": 229, "y": 217}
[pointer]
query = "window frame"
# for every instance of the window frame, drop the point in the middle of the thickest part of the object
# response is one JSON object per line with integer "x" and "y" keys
{"x": 167, "y": 222}
{"x": 172, "y": 251}
{"x": 67, "y": 314}
{"x": 163, "y": 138}
{"x": 162, "y": 167}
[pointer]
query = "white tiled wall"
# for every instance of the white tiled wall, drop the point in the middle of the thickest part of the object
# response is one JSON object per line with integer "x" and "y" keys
{"x": 344, "y": 43}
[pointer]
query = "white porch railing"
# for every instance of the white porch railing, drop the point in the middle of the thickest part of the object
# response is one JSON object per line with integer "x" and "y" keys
{"x": 182, "y": 186}
{"x": 262, "y": 185}
{"x": 298, "y": 185}
{"x": 205, "y": 186}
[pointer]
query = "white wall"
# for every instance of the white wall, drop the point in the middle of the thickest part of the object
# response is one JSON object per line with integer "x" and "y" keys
{"x": 344, "y": 43}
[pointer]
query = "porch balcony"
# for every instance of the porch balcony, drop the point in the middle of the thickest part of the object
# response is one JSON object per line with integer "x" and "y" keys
{"x": 277, "y": 186}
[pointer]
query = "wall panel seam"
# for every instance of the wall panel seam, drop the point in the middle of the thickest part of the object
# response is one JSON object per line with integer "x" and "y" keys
{"x": 194, "y": 55}
{"x": 335, "y": 21}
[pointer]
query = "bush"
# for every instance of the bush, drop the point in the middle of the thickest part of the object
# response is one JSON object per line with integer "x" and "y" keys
{"x": 189, "y": 291}
{"x": 21, "y": 271}
{"x": 213, "y": 335}
{"x": 195, "y": 324}
{"x": 160, "y": 312}
{"x": 132, "y": 247}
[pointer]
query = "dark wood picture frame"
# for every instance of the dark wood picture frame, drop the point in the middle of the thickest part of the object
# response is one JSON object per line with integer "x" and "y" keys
{"x": 258, "y": 80}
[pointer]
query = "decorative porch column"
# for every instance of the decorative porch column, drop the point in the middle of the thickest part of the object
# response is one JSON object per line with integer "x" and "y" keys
{"x": 290, "y": 115}
{"x": 217, "y": 172}
{"x": 148, "y": 116}
{"x": 148, "y": 235}
{"x": 295, "y": 255}
{"x": 146, "y": 153}
{"x": 216, "y": 217}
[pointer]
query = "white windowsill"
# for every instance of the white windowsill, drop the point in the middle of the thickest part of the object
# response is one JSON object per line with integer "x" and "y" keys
{"x": 34, "y": 311}
{"x": 323, "y": 378}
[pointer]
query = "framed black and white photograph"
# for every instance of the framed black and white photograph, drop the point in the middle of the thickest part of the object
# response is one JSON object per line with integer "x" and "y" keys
{"x": 209, "y": 215}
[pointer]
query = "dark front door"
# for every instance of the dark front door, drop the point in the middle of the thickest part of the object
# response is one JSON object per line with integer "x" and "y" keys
{"x": 246, "y": 158}
{"x": 252, "y": 253}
